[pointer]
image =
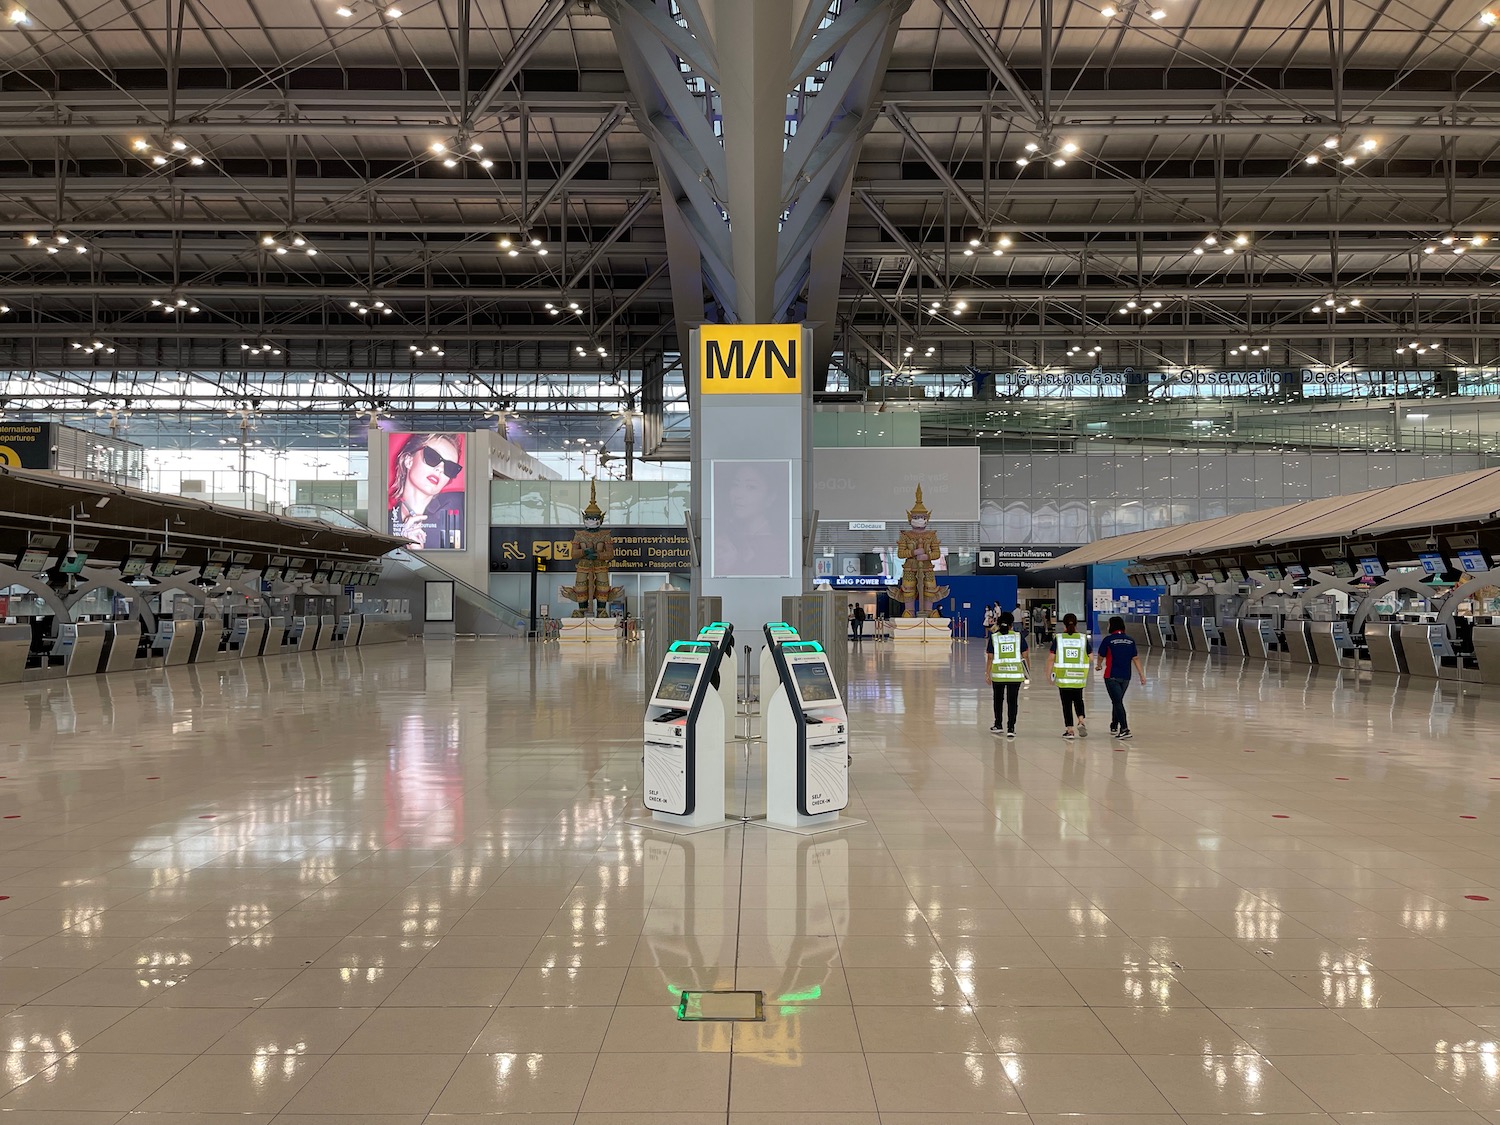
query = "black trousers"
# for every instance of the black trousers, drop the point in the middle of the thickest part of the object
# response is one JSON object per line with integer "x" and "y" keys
{"x": 1006, "y": 695}
{"x": 1117, "y": 689}
{"x": 1072, "y": 700}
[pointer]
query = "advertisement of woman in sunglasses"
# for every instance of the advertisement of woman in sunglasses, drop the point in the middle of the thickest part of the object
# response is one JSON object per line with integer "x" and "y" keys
{"x": 426, "y": 497}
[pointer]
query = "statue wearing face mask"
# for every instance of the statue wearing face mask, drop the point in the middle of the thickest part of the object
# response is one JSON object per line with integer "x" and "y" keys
{"x": 918, "y": 548}
{"x": 593, "y": 551}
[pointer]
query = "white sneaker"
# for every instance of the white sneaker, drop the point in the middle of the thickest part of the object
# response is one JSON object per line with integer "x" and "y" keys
{"x": 1010, "y": 734}
{"x": 1083, "y": 731}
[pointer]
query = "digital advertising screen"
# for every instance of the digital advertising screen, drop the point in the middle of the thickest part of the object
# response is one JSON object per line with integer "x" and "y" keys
{"x": 677, "y": 680}
{"x": 425, "y": 502}
{"x": 814, "y": 684}
{"x": 751, "y": 514}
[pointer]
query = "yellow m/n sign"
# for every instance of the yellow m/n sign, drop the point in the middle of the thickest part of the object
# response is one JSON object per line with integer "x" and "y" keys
{"x": 750, "y": 359}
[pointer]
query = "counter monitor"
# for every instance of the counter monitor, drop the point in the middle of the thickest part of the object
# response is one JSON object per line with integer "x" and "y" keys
{"x": 1471, "y": 562}
{"x": 1370, "y": 567}
{"x": 1296, "y": 570}
{"x": 1273, "y": 573}
{"x": 1237, "y": 574}
{"x": 135, "y": 566}
{"x": 235, "y": 572}
{"x": 1432, "y": 562}
{"x": 1343, "y": 568}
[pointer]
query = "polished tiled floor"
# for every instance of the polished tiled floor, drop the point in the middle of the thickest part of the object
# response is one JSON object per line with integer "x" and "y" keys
{"x": 397, "y": 886}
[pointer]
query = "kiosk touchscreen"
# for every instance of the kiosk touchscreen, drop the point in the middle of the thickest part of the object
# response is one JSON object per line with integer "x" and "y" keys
{"x": 807, "y": 741}
{"x": 684, "y": 739}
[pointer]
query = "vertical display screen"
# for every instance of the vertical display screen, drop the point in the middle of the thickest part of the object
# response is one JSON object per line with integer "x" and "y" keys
{"x": 425, "y": 503}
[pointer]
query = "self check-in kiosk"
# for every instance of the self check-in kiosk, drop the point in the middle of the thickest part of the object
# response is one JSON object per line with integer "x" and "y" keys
{"x": 776, "y": 633}
{"x": 720, "y": 634}
{"x": 684, "y": 737}
{"x": 81, "y": 646}
{"x": 1260, "y": 637}
{"x": 1386, "y": 655}
{"x": 1332, "y": 645}
{"x": 807, "y": 741}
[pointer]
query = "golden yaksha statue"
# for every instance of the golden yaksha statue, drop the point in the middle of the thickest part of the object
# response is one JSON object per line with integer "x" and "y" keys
{"x": 918, "y": 547}
{"x": 593, "y": 551}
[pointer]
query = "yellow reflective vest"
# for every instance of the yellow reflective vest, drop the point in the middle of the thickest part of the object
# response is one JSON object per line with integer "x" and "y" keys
{"x": 1006, "y": 666}
{"x": 1071, "y": 666}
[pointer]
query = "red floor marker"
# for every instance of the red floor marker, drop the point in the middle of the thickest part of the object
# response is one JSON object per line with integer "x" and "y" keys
{"x": 1341, "y": 779}
{"x": 1280, "y": 816}
{"x": 153, "y": 779}
{"x": 4, "y": 898}
{"x": 309, "y": 777}
{"x": 1466, "y": 816}
{"x": 208, "y": 816}
{"x": 1182, "y": 777}
{"x": 1477, "y": 898}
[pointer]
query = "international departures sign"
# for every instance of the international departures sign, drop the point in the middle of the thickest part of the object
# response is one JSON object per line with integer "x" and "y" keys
{"x": 750, "y": 359}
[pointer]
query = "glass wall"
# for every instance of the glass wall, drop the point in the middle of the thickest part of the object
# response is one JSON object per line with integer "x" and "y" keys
{"x": 543, "y": 503}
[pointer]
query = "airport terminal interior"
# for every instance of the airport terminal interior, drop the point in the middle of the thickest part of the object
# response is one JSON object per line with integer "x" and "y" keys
{"x": 872, "y": 562}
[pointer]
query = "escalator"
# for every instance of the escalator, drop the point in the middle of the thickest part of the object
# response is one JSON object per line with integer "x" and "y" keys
{"x": 404, "y": 574}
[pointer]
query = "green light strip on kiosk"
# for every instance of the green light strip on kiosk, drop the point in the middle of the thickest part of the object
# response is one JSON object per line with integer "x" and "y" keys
{"x": 698, "y": 645}
{"x": 814, "y": 646}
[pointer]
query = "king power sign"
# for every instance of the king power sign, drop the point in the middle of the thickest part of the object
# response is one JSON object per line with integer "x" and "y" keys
{"x": 750, "y": 359}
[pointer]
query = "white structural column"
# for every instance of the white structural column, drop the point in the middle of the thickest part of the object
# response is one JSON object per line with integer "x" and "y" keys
{"x": 755, "y": 112}
{"x": 752, "y": 485}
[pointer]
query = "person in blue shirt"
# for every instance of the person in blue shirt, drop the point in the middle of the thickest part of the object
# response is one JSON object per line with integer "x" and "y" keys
{"x": 1117, "y": 655}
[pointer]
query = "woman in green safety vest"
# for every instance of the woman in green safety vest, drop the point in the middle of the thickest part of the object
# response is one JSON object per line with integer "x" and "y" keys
{"x": 1068, "y": 665}
{"x": 1009, "y": 667}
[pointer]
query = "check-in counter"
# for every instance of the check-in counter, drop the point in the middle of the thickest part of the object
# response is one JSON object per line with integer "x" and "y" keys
{"x": 1234, "y": 639}
{"x": 206, "y": 646}
{"x": 382, "y": 628}
{"x": 174, "y": 640}
{"x": 328, "y": 632}
{"x": 1155, "y": 636}
{"x": 1181, "y": 637}
{"x": 247, "y": 637}
{"x": 81, "y": 647}
{"x": 302, "y": 635}
{"x": 1384, "y": 643}
{"x": 1260, "y": 637}
{"x": 1487, "y": 652}
{"x": 125, "y": 647}
{"x": 15, "y": 645}
{"x": 1424, "y": 646}
{"x": 354, "y": 632}
{"x": 279, "y": 640}
{"x": 1299, "y": 648}
{"x": 1332, "y": 645}
{"x": 1135, "y": 629}
{"x": 1204, "y": 632}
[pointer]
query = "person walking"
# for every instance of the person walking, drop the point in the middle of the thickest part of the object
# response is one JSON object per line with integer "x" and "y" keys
{"x": 989, "y": 619}
{"x": 1117, "y": 655}
{"x": 859, "y": 622}
{"x": 1010, "y": 667}
{"x": 1068, "y": 665}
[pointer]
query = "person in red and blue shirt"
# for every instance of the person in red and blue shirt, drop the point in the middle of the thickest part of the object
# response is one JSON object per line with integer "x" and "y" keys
{"x": 1117, "y": 655}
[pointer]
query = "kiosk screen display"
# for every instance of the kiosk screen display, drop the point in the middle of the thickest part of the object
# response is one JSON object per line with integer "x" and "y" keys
{"x": 677, "y": 680}
{"x": 814, "y": 684}
{"x": 1432, "y": 562}
{"x": 1343, "y": 568}
{"x": 1472, "y": 561}
{"x": 1370, "y": 567}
